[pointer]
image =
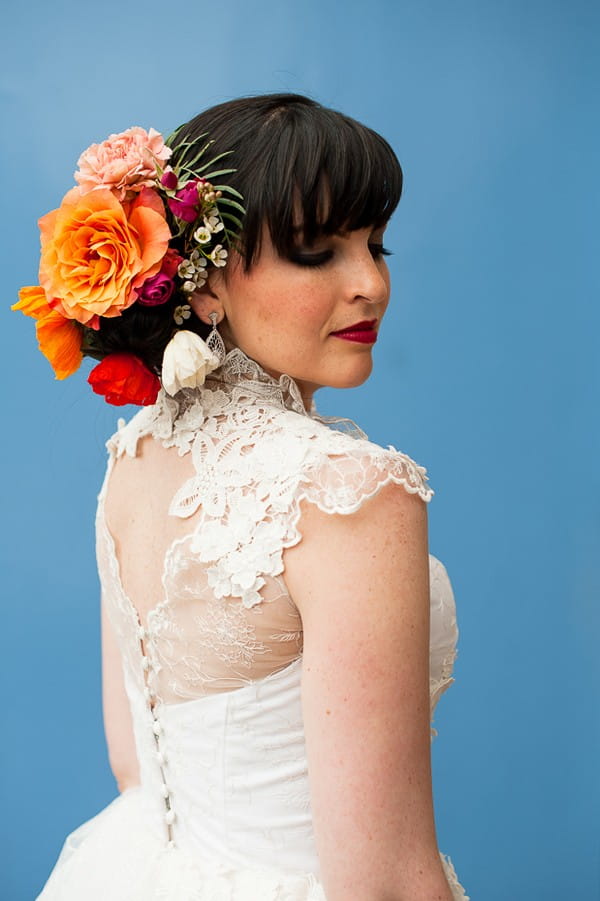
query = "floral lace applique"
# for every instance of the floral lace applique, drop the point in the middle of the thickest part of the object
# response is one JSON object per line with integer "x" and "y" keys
{"x": 256, "y": 455}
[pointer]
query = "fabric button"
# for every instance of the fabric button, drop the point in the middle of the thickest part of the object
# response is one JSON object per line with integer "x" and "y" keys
{"x": 145, "y": 662}
{"x": 156, "y": 727}
{"x": 142, "y": 632}
{"x": 170, "y": 817}
{"x": 165, "y": 790}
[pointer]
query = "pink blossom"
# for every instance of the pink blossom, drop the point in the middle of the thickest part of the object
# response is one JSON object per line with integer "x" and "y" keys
{"x": 156, "y": 290}
{"x": 124, "y": 162}
{"x": 186, "y": 202}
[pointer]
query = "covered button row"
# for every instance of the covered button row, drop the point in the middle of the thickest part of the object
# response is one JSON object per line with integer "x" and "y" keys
{"x": 162, "y": 760}
{"x": 157, "y": 730}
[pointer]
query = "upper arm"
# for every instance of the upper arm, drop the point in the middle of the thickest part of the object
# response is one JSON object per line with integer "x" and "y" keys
{"x": 118, "y": 726}
{"x": 361, "y": 583}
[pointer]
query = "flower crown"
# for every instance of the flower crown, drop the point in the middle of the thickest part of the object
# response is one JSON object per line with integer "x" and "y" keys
{"x": 134, "y": 231}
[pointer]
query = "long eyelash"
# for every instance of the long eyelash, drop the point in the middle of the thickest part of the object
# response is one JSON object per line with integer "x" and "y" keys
{"x": 379, "y": 250}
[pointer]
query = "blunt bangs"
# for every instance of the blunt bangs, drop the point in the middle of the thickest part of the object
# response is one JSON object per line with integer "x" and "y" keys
{"x": 303, "y": 170}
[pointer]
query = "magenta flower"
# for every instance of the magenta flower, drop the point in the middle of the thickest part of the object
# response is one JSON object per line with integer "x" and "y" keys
{"x": 156, "y": 290}
{"x": 169, "y": 180}
{"x": 186, "y": 202}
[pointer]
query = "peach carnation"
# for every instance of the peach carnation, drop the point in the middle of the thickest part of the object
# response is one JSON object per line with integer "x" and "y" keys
{"x": 96, "y": 252}
{"x": 59, "y": 339}
{"x": 123, "y": 162}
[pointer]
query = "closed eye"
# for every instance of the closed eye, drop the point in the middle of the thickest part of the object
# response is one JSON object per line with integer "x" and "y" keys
{"x": 306, "y": 258}
{"x": 312, "y": 259}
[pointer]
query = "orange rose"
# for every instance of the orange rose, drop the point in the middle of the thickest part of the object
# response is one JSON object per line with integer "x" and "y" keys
{"x": 59, "y": 339}
{"x": 97, "y": 251}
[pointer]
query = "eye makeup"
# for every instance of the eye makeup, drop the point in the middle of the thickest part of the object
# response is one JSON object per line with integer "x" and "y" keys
{"x": 320, "y": 258}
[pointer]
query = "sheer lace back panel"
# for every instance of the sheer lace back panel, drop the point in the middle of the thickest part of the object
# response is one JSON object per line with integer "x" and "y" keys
{"x": 201, "y": 497}
{"x": 199, "y": 640}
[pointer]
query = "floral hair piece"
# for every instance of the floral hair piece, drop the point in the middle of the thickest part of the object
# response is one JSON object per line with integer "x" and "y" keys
{"x": 135, "y": 230}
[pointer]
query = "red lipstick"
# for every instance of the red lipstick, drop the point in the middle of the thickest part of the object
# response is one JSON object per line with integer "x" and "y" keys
{"x": 361, "y": 332}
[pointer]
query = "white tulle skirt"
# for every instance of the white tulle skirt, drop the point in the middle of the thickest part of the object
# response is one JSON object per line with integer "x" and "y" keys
{"x": 117, "y": 856}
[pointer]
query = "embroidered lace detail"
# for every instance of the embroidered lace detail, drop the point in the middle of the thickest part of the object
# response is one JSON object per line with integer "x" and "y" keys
{"x": 256, "y": 454}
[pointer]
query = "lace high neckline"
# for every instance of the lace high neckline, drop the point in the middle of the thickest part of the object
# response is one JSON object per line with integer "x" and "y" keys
{"x": 239, "y": 382}
{"x": 239, "y": 371}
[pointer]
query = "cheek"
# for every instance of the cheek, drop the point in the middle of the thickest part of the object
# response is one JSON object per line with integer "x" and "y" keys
{"x": 293, "y": 306}
{"x": 283, "y": 300}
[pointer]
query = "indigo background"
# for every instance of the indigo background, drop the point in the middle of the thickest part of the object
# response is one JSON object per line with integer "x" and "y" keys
{"x": 485, "y": 372}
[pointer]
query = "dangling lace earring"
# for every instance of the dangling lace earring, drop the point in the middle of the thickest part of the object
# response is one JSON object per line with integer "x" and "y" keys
{"x": 214, "y": 341}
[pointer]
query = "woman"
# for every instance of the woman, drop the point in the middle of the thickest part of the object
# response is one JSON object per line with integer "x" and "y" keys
{"x": 265, "y": 575}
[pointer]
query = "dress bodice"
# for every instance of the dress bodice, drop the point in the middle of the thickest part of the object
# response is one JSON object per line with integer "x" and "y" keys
{"x": 213, "y": 663}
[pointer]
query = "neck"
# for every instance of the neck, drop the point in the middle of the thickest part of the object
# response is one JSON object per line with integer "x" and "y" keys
{"x": 242, "y": 371}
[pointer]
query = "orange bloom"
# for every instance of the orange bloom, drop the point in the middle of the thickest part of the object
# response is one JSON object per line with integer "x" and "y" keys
{"x": 97, "y": 251}
{"x": 59, "y": 339}
{"x": 32, "y": 302}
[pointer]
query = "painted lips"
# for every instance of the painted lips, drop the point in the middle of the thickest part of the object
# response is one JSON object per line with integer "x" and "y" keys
{"x": 361, "y": 332}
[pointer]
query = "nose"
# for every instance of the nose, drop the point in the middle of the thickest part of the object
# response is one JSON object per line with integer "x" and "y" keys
{"x": 369, "y": 277}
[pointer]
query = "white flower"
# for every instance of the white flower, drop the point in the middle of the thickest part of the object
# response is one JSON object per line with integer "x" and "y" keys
{"x": 182, "y": 312}
{"x": 213, "y": 223}
{"x": 198, "y": 259}
{"x": 195, "y": 281}
{"x": 193, "y": 271}
{"x": 219, "y": 256}
{"x": 186, "y": 269}
{"x": 203, "y": 235}
{"x": 186, "y": 362}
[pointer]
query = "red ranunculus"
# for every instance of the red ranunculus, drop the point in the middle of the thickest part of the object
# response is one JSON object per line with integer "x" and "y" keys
{"x": 170, "y": 263}
{"x": 124, "y": 379}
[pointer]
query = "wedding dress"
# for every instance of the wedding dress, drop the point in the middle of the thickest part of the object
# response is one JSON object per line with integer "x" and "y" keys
{"x": 213, "y": 669}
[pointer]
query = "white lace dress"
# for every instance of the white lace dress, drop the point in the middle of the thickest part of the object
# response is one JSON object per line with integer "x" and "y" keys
{"x": 212, "y": 664}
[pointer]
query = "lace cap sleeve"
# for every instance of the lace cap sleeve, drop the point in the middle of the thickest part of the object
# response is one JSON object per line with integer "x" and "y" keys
{"x": 354, "y": 470}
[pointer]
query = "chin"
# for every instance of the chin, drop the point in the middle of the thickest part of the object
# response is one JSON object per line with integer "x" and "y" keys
{"x": 354, "y": 377}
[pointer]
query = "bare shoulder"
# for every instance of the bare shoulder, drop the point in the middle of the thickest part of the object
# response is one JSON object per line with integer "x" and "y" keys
{"x": 381, "y": 543}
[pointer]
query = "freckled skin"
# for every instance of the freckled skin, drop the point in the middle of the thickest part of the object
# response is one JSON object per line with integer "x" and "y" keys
{"x": 282, "y": 313}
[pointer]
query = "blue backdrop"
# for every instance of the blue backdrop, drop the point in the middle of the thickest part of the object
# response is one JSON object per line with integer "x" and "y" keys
{"x": 486, "y": 373}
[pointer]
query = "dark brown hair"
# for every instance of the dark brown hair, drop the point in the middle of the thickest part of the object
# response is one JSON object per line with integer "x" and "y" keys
{"x": 293, "y": 158}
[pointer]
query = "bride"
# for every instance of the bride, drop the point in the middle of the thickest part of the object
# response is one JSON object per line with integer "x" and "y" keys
{"x": 275, "y": 635}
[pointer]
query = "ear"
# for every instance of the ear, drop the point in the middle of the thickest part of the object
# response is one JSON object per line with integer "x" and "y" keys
{"x": 205, "y": 301}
